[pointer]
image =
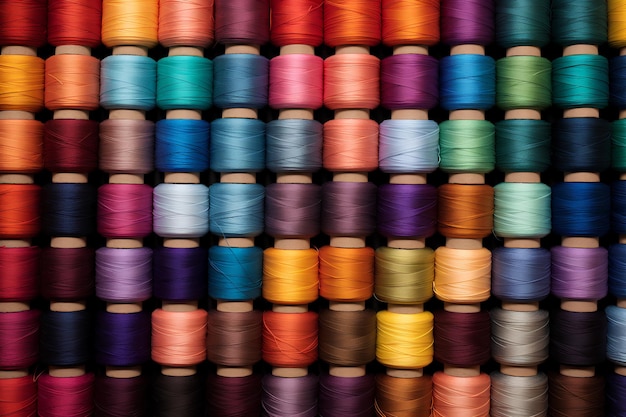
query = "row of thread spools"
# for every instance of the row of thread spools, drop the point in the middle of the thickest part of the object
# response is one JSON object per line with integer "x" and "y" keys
{"x": 344, "y": 400}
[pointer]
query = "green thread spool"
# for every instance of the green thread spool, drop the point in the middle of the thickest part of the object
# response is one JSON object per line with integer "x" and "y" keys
{"x": 184, "y": 82}
{"x": 467, "y": 146}
{"x": 618, "y": 145}
{"x": 404, "y": 276}
{"x": 523, "y": 145}
{"x": 523, "y": 82}
{"x": 522, "y": 210}
{"x": 580, "y": 81}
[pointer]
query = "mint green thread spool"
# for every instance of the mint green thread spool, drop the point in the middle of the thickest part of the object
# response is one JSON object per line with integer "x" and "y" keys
{"x": 523, "y": 82}
{"x": 522, "y": 210}
{"x": 467, "y": 146}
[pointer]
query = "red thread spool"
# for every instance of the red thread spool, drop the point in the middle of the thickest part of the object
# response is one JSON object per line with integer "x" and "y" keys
{"x": 23, "y": 22}
{"x": 297, "y": 22}
{"x": 74, "y": 22}
{"x": 290, "y": 339}
{"x": 71, "y": 145}
{"x": 19, "y": 211}
{"x": 19, "y": 273}
{"x": 125, "y": 210}
{"x": 19, "y": 332}
{"x": 18, "y": 396}
{"x": 67, "y": 274}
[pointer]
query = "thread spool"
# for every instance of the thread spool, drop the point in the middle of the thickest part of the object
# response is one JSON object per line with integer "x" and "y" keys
{"x": 20, "y": 36}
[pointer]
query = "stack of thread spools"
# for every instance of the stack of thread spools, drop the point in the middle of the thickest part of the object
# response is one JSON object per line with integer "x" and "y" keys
{"x": 343, "y": 208}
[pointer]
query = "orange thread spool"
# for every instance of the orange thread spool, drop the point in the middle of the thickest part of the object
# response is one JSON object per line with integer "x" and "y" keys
{"x": 410, "y": 22}
{"x": 290, "y": 277}
{"x": 21, "y": 83}
{"x": 346, "y": 274}
{"x": 462, "y": 276}
{"x": 130, "y": 22}
{"x": 351, "y": 81}
{"x": 186, "y": 23}
{"x": 290, "y": 339}
{"x": 352, "y": 22}
{"x": 350, "y": 145}
{"x": 21, "y": 146}
{"x": 460, "y": 396}
{"x": 19, "y": 211}
{"x": 179, "y": 337}
{"x": 72, "y": 82}
{"x": 465, "y": 210}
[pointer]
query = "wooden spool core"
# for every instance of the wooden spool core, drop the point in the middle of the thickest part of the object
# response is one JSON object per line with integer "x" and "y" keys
{"x": 580, "y": 49}
{"x": 16, "y": 179}
{"x": 522, "y": 114}
{"x": 292, "y": 244}
{"x": 230, "y": 372}
{"x": 183, "y": 114}
{"x": 182, "y": 371}
{"x": 579, "y": 306}
{"x": 66, "y": 307}
{"x": 69, "y": 177}
{"x": 410, "y": 49}
{"x": 66, "y": 372}
{"x": 582, "y": 372}
{"x": 466, "y": 178}
{"x": 526, "y": 177}
{"x": 235, "y": 306}
{"x": 124, "y": 243}
{"x": 236, "y": 242}
{"x": 511, "y": 306}
{"x": 18, "y": 50}
{"x": 456, "y": 243}
{"x": 352, "y": 114}
{"x": 518, "y": 370}
{"x": 240, "y": 113}
{"x": 71, "y": 114}
{"x": 461, "y": 372}
{"x": 582, "y": 177}
{"x": 467, "y": 49}
{"x": 294, "y": 178}
{"x": 123, "y": 373}
{"x": 124, "y": 308}
{"x": 130, "y": 50}
{"x": 347, "y": 242}
{"x": 298, "y": 308}
{"x": 621, "y": 303}
{"x": 185, "y": 51}
{"x": 126, "y": 179}
{"x": 404, "y": 243}
{"x": 347, "y": 371}
{"x": 620, "y": 370}
{"x": 408, "y": 179}
{"x": 68, "y": 242}
{"x": 127, "y": 114}
{"x": 13, "y": 374}
{"x": 521, "y": 243}
{"x": 461, "y": 308}
{"x": 405, "y": 373}
{"x": 16, "y": 115}
{"x": 346, "y": 306}
{"x": 15, "y": 243}
{"x": 72, "y": 50}
{"x": 304, "y": 114}
{"x": 523, "y": 51}
{"x": 297, "y": 48}
{"x": 13, "y": 307}
{"x": 409, "y": 114}
{"x": 182, "y": 178}
{"x": 238, "y": 178}
{"x": 243, "y": 49}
